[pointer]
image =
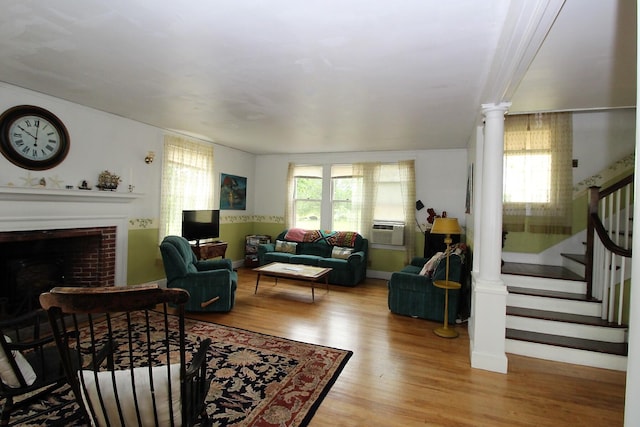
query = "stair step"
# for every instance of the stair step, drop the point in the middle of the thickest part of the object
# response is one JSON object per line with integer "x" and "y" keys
{"x": 566, "y": 325}
{"x": 561, "y": 317}
{"x": 566, "y": 355}
{"x": 550, "y": 317}
{"x": 537, "y": 299}
{"x": 579, "y": 258}
{"x": 530, "y": 282}
{"x": 547, "y": 293}
{"x": 537, "y": 270}
{"x": 619, "y": 349}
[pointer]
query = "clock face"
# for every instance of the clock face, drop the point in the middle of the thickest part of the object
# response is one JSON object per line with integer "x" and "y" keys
{"x": 33, "y": 138}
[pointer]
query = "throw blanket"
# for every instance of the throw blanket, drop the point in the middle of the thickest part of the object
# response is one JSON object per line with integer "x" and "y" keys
{"x": 343, "y": 238}
{"x": 333, "y": 238}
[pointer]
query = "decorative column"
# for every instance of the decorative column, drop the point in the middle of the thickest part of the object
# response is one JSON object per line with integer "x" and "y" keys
{"x": 489, "y": 300}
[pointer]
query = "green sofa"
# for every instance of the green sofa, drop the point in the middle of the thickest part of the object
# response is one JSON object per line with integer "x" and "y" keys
{"x": 205, "y": 280}
{"x": 344, "y": 252}
{"x": 412, "y": 294}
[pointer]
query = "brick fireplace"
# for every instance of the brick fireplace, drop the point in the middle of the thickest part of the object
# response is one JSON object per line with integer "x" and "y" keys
{"x": 34, "y": 261}
{"x": 58, "y": 236}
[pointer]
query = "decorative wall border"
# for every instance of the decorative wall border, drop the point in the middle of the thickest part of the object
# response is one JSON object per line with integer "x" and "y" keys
{"x": 143, "y": 223}
{"x": 242, "y": 219}
{"x": 626, "y": 164}
{"x": 149, "y": 223}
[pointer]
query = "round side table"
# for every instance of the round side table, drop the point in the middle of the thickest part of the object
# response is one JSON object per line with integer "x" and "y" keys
{"x": 444, "y": 331}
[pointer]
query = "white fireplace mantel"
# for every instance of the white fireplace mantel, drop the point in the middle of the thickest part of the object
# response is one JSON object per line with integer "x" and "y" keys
{"x": 37, "y": 208}
{"x": 59, "y": 195}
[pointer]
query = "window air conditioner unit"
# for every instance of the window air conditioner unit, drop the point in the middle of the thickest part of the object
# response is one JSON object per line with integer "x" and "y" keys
{"x": 387, "y": 233}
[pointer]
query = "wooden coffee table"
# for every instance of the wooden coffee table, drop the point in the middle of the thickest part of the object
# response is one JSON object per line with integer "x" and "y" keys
{"x": 301, "y": 272}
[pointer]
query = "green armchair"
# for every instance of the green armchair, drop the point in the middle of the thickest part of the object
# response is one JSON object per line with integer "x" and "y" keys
{"x": 412, "y": 294}
{"x": 211, "y": 283}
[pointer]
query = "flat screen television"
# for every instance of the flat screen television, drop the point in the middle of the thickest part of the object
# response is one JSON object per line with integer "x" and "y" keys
{"x": 200, "y": 224}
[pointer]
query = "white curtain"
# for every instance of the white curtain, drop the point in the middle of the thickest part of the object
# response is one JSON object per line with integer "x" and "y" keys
{"x": 408, "y": 185}
{"x": 538, "y": 173}
{"x": 369, "y": 198}
{"x": 289, "y": 210}
{"x": 365, "y": 199}
{"x": 187, "y": 181}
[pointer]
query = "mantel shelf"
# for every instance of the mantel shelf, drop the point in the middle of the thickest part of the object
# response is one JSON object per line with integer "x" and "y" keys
{"x": 40, "y": 194}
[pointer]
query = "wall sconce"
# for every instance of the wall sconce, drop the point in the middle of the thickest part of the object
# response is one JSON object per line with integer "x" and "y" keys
{"x": 150, "y": 156}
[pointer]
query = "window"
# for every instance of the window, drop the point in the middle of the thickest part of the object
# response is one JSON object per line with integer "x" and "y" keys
{"x": 538, "y": 173}
{"x": 187, "y": 181}
{"x": 529, "y": 178}
{"x": 390, "y": 197}
{"x": 349, "y": 197}
{"x": 346, "y": 190}
{"x": 308, "y": 197}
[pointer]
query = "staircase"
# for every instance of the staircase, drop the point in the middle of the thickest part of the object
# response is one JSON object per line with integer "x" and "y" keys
{"x": 574, "y": 313}
{"x": 550, "y": 317}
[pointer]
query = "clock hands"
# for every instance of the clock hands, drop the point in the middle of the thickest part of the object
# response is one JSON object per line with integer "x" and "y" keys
{"x": 35, "y": 144}
{"x": 29, "y": 133}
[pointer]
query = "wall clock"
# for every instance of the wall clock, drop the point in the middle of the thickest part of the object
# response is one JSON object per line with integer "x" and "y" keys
{"x": 33, "y": 138}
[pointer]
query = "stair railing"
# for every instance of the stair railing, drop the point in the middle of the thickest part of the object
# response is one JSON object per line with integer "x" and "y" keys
{"x": 609, "y": 246}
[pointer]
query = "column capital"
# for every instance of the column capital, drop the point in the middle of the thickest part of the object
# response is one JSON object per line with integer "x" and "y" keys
{"x": 501, "y": 107}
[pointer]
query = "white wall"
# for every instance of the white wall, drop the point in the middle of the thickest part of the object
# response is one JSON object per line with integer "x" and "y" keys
{"x": 601, "y": 138}
{"x": 441, "y": 177}
{"x": 102, "y": 141}
{"x": 98, "y": 141}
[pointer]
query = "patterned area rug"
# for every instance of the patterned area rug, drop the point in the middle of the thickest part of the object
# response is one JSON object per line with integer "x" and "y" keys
{"x": 258, "y": 380}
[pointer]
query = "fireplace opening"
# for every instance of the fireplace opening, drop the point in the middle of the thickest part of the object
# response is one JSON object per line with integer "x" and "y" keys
{"x": 32, "y": 262}
{"x": 26, "y": 279}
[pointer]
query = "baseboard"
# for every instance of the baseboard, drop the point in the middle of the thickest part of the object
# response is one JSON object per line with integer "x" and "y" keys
{"x": 489, "y": 362}
{"x": 377, "y": 274}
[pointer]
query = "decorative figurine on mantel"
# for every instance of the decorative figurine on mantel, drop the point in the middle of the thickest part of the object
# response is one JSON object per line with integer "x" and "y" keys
{"x": 108, "y": 181}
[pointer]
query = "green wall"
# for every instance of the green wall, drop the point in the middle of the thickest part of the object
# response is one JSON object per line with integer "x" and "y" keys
{"x": 144, "y": 263}
{"x": 234, "y": 234}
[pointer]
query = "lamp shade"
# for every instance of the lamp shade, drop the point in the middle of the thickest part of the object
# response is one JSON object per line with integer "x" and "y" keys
{"x": 446, "y": 226}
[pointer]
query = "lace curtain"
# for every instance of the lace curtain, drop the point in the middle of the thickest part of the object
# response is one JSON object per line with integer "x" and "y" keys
{"x": 289, "y": 211}
{"x": 538, "y": 173}
{"x": 187, "y": 181}
{"x": 408, "y": 187}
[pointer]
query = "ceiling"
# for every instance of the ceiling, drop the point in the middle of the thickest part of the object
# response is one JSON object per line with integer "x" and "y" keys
{"x": 291, "y": 76}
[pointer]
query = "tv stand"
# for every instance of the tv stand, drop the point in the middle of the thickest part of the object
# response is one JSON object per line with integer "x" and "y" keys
{"x": 209, "y": 249}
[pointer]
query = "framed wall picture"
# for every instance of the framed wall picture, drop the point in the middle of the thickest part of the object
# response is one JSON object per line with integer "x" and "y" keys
{"x": 469, "y": 200}
{"x": 233, "y": 192}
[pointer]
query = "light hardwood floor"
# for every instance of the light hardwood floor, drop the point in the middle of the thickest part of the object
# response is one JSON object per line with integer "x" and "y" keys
{"x": 402, "y": 374}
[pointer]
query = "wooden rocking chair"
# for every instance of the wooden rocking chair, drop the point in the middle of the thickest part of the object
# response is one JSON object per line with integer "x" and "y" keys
{"x": 30, "y": 367}
{"x": 137, "y": 371}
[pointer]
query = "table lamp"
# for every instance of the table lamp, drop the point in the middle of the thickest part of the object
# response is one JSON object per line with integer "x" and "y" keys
{"x": 446, "y": 226}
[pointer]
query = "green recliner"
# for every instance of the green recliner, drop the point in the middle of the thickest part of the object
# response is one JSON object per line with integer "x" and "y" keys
{"x": 412, "y": 294}
{"x": 211, "y": 283}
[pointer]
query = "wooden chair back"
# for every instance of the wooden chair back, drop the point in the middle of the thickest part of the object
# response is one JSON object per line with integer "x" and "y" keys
{"x": 30, "y": 367}
{"x": 133, "y": 342}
